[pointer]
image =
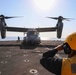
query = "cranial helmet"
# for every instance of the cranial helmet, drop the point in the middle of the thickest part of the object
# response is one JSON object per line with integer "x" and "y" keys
{"x": 71, "y": 41}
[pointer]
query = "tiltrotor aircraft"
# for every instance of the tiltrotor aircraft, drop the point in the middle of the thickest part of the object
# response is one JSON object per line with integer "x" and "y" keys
{"x": 32, "y": 36}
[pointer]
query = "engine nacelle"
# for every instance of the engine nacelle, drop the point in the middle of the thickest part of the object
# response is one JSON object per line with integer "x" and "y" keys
{"x": 59, "y": 30}
{"x": 3, "y": 32}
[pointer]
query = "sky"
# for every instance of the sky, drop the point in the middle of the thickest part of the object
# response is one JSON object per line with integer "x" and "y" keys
{"x": 34, "y": 12}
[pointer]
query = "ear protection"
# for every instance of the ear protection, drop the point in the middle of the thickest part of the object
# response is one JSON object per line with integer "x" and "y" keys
{"x": 67, "y": 49}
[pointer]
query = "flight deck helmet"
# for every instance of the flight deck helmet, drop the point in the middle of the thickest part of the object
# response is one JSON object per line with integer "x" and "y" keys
{"x": 70, "y": 43}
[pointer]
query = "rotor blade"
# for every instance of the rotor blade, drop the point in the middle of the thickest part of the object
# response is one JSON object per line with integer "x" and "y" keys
{"x": 68, "y": 19}
{"x": 52, "y": 18}
{"x": 11, "y": 17}
{"x": 61, "y": 18}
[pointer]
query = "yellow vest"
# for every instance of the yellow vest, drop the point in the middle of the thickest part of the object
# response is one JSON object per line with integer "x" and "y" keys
{"x": 69, "y": 66}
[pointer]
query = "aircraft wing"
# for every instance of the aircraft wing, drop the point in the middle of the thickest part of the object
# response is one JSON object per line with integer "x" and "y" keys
{"x": 46, "y": 29}
{"x": 17, "y": 29}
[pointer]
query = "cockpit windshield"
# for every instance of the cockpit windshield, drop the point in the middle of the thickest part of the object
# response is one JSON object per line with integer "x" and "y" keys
{"x": 32, "y": 32}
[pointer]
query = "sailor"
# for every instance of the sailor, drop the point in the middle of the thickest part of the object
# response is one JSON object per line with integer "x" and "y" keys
{"x": 61, "y": 66}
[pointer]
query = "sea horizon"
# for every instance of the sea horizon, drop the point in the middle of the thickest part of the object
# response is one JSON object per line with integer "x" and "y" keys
{"x": 21, "y": 38}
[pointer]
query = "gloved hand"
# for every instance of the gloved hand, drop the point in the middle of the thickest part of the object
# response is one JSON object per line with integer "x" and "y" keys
{"x": 59, "y": 47}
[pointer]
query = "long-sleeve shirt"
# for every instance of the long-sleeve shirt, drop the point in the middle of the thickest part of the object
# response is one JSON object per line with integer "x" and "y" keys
{"x": 51, "y": 63}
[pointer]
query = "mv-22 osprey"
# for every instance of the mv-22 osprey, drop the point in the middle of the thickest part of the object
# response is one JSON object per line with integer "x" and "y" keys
{"x": 32, "y": 36}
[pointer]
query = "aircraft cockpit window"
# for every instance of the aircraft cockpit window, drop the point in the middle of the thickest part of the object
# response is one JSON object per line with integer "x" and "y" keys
{"x": 32, "y": 33}
{"x": 35, "y": 33}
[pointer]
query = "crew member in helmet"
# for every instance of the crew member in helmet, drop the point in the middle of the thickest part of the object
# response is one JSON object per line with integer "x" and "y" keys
{"x": 62, "y": 66}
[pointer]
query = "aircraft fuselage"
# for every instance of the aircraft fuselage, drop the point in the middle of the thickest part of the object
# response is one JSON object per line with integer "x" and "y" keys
{"x": 32, "y": 37}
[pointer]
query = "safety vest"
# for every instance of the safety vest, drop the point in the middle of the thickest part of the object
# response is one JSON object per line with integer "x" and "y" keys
{"x": 69, "y": 66}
